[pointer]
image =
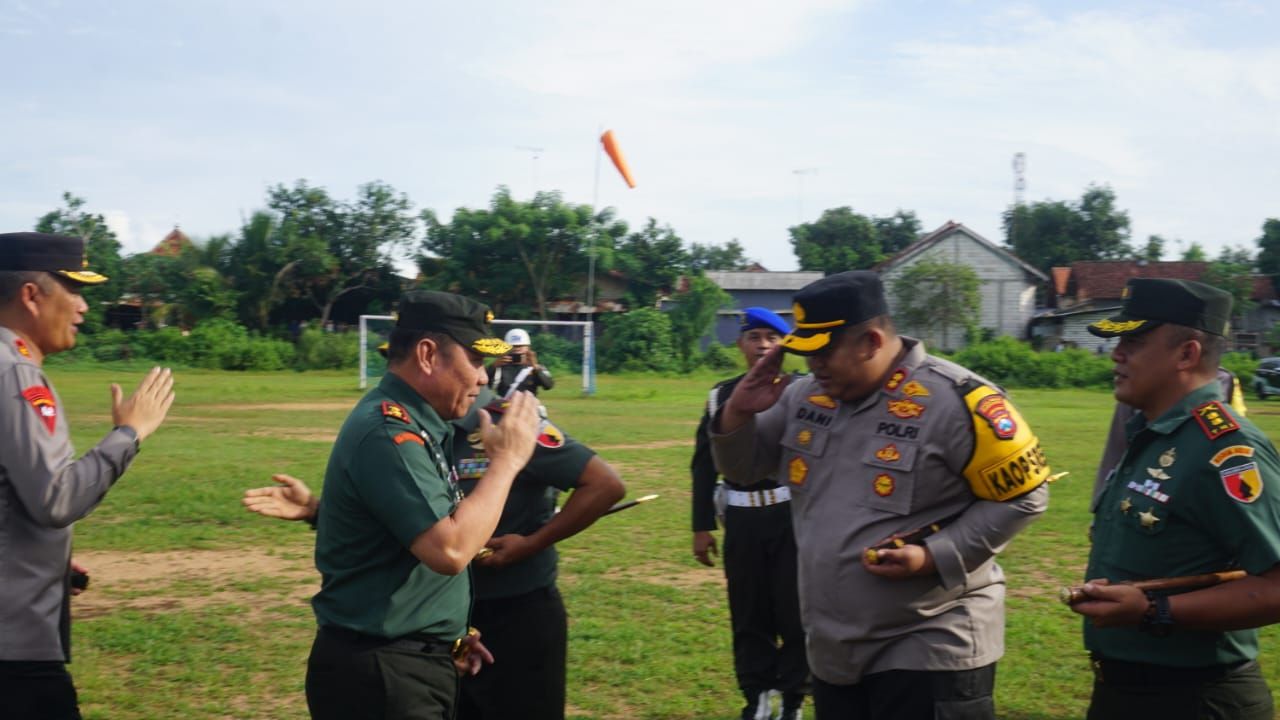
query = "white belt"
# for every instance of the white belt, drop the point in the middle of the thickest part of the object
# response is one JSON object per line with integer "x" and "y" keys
{"x": 759, "y": 498}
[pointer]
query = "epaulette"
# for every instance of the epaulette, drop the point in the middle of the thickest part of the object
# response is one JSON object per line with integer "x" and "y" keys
{"x": 396, "y": 411}
{"x": 1214, "y": 419}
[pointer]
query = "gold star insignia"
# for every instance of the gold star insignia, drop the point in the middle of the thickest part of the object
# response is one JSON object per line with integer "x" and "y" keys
{"x": 1148, "y": 519}
{"x": 1125, "y": 505}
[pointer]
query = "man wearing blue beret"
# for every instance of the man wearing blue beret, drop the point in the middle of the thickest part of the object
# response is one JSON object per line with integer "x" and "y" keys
{"x": 759, "y": 552}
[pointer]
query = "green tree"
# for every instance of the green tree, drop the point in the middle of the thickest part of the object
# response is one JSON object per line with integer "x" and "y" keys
{"x": 694, "y": 315}
{"x": 1153, "y": 250}
{"x": 1056, "y": 233}
{"x": 1194, "y": 253}
{"x": 840, "y": 239}
{"x": 897, "y": 231}
{"x": 1269, "y": 251}
{"x": 102, "y": 250}
{"x": 937, "y": 298}
{"x": 653, "y": 259}
{"x": 729, "y": 256}
{"x": 1233, "y": 271}
{"x": 637, "y": 341}
{"x": 516, "y": 251}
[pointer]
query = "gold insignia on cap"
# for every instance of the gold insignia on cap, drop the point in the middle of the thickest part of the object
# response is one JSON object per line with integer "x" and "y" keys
{"x": 1124, "y": 294}
{"x": 1109, "y": 325}
{"x": 490, "y": 346}
{"x": 488, "y": 317}
{"x": 798, "y": 311}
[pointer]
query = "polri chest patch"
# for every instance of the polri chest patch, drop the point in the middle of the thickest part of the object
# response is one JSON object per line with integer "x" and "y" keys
{"x": 890, "y": 429}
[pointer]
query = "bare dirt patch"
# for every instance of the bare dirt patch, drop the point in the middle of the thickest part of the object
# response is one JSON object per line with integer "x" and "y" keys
{"x": 655, "y": 445}
{"x": 286, "y": 407}
{"x": 668, "y": 575}
{"x": 154, "y": 582}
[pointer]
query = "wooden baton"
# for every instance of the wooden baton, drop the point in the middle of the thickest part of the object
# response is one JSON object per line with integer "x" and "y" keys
{"x": 1074, "y": 594}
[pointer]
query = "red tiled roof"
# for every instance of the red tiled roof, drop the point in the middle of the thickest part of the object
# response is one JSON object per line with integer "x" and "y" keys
{"x": 172, "y": 244}
{"x": 1105, "y": 279}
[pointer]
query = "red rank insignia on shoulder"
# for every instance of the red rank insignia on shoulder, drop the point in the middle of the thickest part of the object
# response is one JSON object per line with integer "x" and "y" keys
{"x": 392, "y": 410}
{"x": 42, "y": 402}
{"x": 21, "y": 345}
{"x": 1214, "y": 420}
{"x": 896, "y": 379}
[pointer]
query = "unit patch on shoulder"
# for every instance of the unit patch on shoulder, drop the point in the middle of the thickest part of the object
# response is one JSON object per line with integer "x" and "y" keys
{"x": 905, "y": 408}
{"x": 1214, "y": 420}
{"x": 797, "y": 471}
{"x": 896, "y": 379}
{"x": 889, "y": 453}
{"x": 42, "y": 402}
{"x": 407, "y": 436}
{"x": 1227, "y": 453}
{"x": 549, "y": 436}
{"x": 22, "y": 348}
{"x": 393, "y": 410}
{"x": 822, "y": 401}
{"x": 883, "y": 485}
{"x": 1243, "y": 482}
{"x": 995, "y": 411}
{"x": 915, "y": 389}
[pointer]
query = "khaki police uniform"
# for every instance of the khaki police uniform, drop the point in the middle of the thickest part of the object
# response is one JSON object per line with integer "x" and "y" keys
{"x": 518, "y": 606}
{"x": 935, "y": 442}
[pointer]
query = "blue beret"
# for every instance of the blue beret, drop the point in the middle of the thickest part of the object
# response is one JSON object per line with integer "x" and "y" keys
{"x": 758, "y": 317}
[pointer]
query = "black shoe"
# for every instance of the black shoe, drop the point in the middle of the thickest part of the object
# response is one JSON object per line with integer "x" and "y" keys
{"x": 792, "y": 703}
{"x": 757, "y": 707}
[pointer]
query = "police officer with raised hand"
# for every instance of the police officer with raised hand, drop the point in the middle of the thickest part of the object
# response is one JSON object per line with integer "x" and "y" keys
{"x": 759, "y": 552}
{"x": 395, "y": 535}
{"x": 1194, "y": 494}
{"x": 883, "y": 440}
{"x": 43, "y": 488}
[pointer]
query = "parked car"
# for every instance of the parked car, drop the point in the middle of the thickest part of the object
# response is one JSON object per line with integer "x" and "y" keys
{"x": 1266, "y": 379}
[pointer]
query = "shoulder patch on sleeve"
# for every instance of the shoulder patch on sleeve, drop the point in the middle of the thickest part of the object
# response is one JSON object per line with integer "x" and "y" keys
{"x": 549, "y": 436}
{"x": 1007, "y": 460}
{"x": 41, "y": 400}
{"x": 1242, "y": 482}
{"x": 407, "y": 436}
{"x": 394, "y": 410}
{"x": 1214, "y": 419}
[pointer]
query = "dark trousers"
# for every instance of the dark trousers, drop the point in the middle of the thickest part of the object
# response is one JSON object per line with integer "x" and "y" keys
{"x": 1239, "y": 694}
{"x": 911, "y": 695}
{"x": 527, "y": 635}
{"x": 764, "y": 604}
{"x": 351, "y": 677}
{"x": 37, "y": 690}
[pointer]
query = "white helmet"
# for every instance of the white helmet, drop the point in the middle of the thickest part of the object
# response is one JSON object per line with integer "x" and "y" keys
{"x": 517, "y": 336}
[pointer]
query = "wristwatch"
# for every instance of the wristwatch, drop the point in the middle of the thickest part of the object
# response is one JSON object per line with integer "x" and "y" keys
{"x": 1157, "y": 620}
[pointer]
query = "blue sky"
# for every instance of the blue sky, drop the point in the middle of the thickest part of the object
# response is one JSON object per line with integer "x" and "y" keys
{"x": 184, "y": 113}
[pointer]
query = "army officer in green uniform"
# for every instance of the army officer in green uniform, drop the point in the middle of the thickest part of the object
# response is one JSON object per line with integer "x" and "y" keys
{"x": 1198, "y": 491}
{"x": 517, "y": 605}
{"x": 395, "y": 534}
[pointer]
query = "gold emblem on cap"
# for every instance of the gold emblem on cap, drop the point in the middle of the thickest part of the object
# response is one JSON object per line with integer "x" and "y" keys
{"x": 1109, "y": 325}
{"x": 488, "y": 317}
{"x": 798, "y": 311}
{"x": 490, "y": 346}
{"x": 1124, "y": 294}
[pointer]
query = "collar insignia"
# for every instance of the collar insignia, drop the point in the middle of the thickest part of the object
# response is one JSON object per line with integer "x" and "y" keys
{"x": 393, "y": 410}
{"x": 21, "y": 345}
{"x": 896, "y": 379}
{"x": 915, "y": 389}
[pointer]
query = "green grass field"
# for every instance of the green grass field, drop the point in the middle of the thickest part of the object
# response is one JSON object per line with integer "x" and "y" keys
{"x": 198, "y": 609}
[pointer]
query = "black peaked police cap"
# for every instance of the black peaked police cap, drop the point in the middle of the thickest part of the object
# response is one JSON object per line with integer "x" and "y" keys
{"x": 59, "y": 254}
{"x": 1152, "y": 302}
{"x": 835, "y": 301}
{"x": 462, "y": 319}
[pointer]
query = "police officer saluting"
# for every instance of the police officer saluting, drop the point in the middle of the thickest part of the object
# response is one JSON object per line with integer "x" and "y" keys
{"x": 43, "y": 488}
{"x": 1195, "y": 493}
{"x": 759, "y": 552}
{"x": 881, "y": 440}
{"x": 395, "y": 534}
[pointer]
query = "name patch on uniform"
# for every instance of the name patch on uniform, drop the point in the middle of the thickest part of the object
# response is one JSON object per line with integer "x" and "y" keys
{"x": 392, "y": 410}
{"x": 897, "y": 430}
{"x": 905, "y": 408}
{"x": 407, "y": 436}
{"x": 21, "y": 345}
{"x": 549, "y": 436}
{"x": 823, "y": 401}
{"x": 883, "y": 485}
{"x": 1227, "y": 453}
{"x": 1214, "y": 420}
{"x": 895, "y": 379}
{"x": 797, "y": 471}
{"x": 1017, "y": 474}
{"x": 993, "y": 409}
{"x": 915, "y": 389}
{"x": 42, "y": 402}
{"x": 889, "y": 453}
{"x": 813, "y": 416}
{"x": 1243, "y": 482}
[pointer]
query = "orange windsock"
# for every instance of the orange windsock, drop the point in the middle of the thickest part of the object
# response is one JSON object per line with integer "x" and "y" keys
{"x": 615, "y": 154}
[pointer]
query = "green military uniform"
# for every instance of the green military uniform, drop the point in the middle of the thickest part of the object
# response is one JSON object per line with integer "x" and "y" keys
{"x": 1197, "y": 491}
{"x": 517, "y": 606}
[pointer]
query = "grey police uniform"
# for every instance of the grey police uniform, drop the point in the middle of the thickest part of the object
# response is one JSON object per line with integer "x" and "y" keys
{"x": 43, "y": 490}
{"x": 935, "y": 441}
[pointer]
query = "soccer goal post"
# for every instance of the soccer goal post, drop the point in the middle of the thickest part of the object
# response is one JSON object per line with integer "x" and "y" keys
{"x": 375, "y": 329}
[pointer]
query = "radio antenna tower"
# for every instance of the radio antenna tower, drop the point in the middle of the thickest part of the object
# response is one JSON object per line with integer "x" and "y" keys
{"x": 1019, "y": 177}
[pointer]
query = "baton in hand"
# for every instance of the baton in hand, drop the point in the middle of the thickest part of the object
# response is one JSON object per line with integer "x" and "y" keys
{"x": 1075, "y": 594}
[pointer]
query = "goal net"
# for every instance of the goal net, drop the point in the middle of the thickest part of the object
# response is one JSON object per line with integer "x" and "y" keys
{"x": 565, "y": 347}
